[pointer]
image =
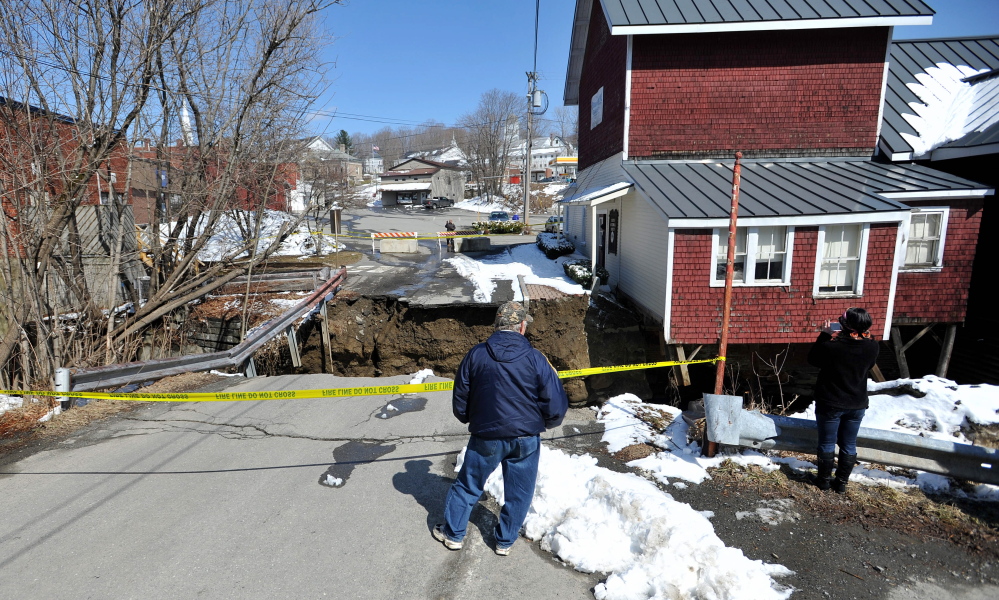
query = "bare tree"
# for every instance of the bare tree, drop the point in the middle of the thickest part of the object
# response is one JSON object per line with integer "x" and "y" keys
{"x": 488, "y": 136}
{"x": 566, "y": 124}
{"x": 79, "y": 79}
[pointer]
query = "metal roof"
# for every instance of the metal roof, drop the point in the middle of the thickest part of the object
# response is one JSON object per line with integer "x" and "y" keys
{"x": 926, "y": 68}
{"x": 699, "y": 190}
{"x": 641, "y": 17}
{"x": 678, "y": 16}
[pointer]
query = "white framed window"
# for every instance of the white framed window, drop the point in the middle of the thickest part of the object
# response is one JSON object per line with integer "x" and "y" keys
{"x": 840, "y": 260}
{"x": 762, "y": 255}
{"x": 925, "y": 243}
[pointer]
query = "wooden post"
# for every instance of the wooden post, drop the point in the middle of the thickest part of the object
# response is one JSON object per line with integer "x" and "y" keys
{"x": 709, "y": 448}
{"x": 896, "y": 340}
{"x": 681, "y": 371}
{"x": 945, "y": 352}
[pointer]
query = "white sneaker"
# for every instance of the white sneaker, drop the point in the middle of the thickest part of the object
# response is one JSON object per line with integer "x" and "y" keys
{"x": 503, "y": 551}
{"x": 438, "y": 534}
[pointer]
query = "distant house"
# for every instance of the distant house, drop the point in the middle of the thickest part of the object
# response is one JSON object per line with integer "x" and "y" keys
{"x": 942, "y": 110}
{"x": 414, "y": 180}
{"x": 667, "y": 97}
{"x": 319, "y": 171}
{"x": 374, "y": 165}
{"x": 544, "y": 150}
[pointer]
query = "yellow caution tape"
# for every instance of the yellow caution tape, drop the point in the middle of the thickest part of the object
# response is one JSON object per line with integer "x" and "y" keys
{"x": 371, "y": 390}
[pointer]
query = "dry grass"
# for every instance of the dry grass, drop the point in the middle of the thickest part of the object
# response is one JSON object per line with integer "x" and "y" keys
{"x": 655, "y": 418}
{"x": 635, "y": 452}
{"x": 970, "y": 524}
{"x": 20, "y": 426}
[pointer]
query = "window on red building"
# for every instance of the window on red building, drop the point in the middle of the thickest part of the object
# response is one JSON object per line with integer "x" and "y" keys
{"x": 761, "y": 256}
{"x": 924, "y": 248}
{"x": 840, "y": 269}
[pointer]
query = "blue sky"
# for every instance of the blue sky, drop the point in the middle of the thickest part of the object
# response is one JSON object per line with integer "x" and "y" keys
{"x": 402, "y": 62}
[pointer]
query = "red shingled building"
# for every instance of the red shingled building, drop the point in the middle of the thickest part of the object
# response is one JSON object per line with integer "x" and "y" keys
{"x": 825, "y": 223}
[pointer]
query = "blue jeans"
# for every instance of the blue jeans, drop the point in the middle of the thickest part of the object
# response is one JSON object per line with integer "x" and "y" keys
{"x": 838, "y": 427}
{"x": 520, "y": 472}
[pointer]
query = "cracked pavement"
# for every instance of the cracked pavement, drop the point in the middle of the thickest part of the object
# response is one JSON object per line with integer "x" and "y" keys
{"x": 237, "y": 500}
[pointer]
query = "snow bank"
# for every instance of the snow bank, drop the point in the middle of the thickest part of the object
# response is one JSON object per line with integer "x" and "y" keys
{"x": 652, "y": 546}
{"x": 943, "y": 412}
{"x": 524, "y": 259}
{"x": 484, "y": 204}
{"x": 228, "y": 238}
{"x": 679, "y": 460}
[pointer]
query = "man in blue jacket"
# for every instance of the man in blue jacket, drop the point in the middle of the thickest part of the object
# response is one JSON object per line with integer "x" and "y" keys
{"x": 508, "y": 393}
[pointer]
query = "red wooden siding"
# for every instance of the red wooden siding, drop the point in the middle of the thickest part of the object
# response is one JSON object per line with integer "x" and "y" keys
{"x": 942, "y": 297}
{"x": 771, "y": 314}
{"x": 604, "y": 65}
{"x": 773, "y": 93}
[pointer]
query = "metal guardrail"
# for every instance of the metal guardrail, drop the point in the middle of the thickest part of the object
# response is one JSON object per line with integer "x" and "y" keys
{"x": 90, "y": 378}
{"x": 963, "y": 461}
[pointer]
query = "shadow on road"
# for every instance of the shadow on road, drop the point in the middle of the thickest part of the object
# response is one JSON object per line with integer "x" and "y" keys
{"x": 429, "y": 490}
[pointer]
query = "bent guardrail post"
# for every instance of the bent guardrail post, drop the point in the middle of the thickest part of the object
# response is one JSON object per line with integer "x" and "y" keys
{"x": 296, "y": 357}
{"x": 962, "y": 461}
{"x": 83, "y": 379}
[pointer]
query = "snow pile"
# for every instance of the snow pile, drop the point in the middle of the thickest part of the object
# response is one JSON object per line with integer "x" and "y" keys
{"x": 951, "y": 108}
{"x": 524, "y": 259}
{"x": 9, "y": 402}
{"x": 619, "y": 523}
{"x": 943, "y": 412}
{"x": 939, "y": 414}
{"x": 679, "y": 458}
{"x": 485, "y": 204}
{"x": 421, "y": 376}
{"x": 228, "y": 238}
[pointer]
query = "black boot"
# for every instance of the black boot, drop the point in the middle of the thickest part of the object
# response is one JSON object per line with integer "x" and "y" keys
{"x": 843, "y": 470}
{"x": 823, "y": 477}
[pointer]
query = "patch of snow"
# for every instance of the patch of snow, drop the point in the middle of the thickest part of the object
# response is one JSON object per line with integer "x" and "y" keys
{"x": 9, "y": 402}
{"x": 947, "y": 111}
{"x": 421, "y": 375}
{"x": 771, "y": 512}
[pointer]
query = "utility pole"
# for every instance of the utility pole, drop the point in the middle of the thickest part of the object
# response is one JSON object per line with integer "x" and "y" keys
{"x": 532, "y": 90}
{"x": 534, "y": 97}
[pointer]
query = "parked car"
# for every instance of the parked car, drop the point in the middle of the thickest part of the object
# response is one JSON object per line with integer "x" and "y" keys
{"x": 554, "y": 224}
{"x": 499, "y": 215}
{"x": 438, "y": 202}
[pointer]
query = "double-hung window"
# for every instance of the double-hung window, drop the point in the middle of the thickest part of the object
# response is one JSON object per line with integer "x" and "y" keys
{"x": 762, "y": 256}
{"x": 924, "y": 248}
{"x": 842, "y": 250}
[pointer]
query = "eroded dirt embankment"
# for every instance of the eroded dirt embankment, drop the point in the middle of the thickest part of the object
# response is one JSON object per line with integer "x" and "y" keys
{"x": 382, "y": 336}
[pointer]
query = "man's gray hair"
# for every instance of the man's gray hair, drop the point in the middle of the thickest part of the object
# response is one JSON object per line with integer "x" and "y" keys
{"x": 510, "y": 315}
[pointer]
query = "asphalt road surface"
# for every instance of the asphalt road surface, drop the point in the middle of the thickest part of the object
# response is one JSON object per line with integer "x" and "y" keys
{"x": 233, "y": 500}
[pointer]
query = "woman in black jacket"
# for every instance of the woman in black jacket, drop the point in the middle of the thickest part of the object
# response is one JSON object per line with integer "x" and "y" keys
{"x": 843, "y": 355}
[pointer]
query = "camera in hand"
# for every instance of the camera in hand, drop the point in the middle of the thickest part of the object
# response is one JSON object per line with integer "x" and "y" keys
{"x": 835, "y": 326}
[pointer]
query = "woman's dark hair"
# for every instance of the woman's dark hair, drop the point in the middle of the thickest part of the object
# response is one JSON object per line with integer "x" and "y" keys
{"x": 856, "y": 319}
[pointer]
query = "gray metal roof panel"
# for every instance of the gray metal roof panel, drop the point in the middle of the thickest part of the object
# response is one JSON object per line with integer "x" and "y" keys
{"x": 625, "y": 13}
{"x": 912, "y": 58}
{"x": 695, "y": 190}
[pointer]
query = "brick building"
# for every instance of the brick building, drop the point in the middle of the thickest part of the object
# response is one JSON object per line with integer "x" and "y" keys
{"x": 666, "y": 99}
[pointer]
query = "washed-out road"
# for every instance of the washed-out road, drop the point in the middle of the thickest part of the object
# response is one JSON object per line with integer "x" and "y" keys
{"x": 234, "y": 500}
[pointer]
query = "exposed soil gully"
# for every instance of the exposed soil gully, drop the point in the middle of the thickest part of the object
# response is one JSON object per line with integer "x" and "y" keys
{"x": 374, "y": 336}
